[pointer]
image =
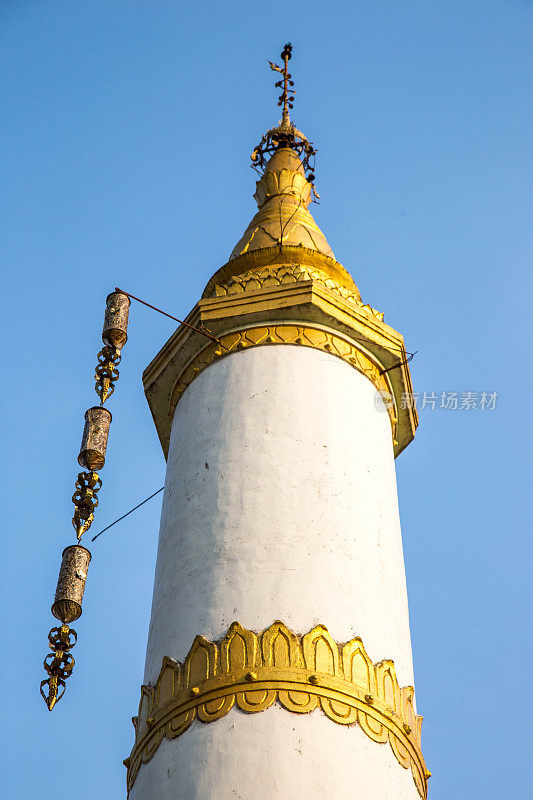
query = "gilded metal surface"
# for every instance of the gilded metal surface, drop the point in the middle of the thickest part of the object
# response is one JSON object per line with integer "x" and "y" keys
{"x": 275, "y": 275}
{"x": 307, "y": 303}
{"x": 300, "y": 673}
{"x": 115, "y": 330}
{"x": 71, "y": 583}
{"x": 58, "y": 664}
{"x": 94, "y": 439}
{"x": 282, "y": 256}
{"x": 106, "y": 372}
{"x": 302, "y": 335}
{"x": 85, "y": 501}
{"x": 283, "y": 195}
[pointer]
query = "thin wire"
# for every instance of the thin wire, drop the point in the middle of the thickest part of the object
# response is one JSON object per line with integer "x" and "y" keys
{"x": 206, "y": 332}
{"x": 353, "y": 336}
{"x": 127, "y": 513}
{"x": 410, "y": 356}
{"x": 284, "y": 196}
{"x": 202, "y": 330}
{"x": 283, "y": 227}
{"x": 382, "y": 372}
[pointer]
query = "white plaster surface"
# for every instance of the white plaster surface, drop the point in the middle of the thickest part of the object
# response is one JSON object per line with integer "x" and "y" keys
{"x": 273, "y": 755}
{"x": 280, "y": 503}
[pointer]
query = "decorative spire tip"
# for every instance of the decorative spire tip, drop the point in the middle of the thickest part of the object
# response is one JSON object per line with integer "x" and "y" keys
{"x": 285, "y": 134}
{"x": 286, "y": 98}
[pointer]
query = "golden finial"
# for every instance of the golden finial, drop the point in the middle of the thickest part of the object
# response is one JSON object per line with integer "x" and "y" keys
{"x": 285, "y": 134}
{"x": 286, "y": 98}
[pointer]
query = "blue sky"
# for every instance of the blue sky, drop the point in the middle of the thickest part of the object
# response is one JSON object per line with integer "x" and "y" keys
{"x": 127, "y": 129}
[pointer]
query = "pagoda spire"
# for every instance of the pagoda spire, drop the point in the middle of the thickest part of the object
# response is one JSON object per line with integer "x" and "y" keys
{"x": 285, "y": 160}
{"x": 280, "y": 583}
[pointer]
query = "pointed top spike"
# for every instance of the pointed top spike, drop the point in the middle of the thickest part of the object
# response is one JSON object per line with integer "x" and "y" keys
{"x": 285, "y": 134}
{"x": 286, "y": 55}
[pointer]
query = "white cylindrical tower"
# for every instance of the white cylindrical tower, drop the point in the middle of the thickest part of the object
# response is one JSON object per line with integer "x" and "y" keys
{"x": 280, "y": 583}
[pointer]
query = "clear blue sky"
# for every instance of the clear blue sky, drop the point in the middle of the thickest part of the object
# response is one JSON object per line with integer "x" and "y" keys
{"x": 127, "y": 128}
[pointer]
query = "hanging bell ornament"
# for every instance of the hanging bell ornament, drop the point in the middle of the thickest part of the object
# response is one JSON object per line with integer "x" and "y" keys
{"x": 71, "y": 583}
{"x": 58, "y": 664}
{"x": 94, "y": 440}
{"x": 115, "y": 331}
{"x": 85, "y": 501}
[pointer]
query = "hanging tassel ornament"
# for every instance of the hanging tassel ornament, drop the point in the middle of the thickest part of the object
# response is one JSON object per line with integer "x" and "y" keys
{"x": 59, "y": 663}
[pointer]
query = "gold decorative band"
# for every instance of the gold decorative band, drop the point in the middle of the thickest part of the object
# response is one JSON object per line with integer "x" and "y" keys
{"x": 277, "y": 274}
{"x": 254, "y": 671}
{"x": 318, "y": 338}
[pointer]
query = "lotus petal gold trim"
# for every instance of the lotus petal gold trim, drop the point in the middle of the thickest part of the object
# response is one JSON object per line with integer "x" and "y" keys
{"x": 252, "y": 671}
{"x": 320, "y": 339}
{"x": 283, "y": 195}
{"x": 281, "y": 255}
{"x": 275, "y": 275}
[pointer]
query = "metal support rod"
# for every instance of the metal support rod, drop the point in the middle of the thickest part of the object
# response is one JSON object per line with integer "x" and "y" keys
{"x": 202, "y": 330}
{"x": 400, "y": 363}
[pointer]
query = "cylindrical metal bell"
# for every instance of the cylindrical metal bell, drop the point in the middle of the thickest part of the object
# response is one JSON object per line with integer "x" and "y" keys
{"x": 115, "y": 331}
{"x": 71, "y": 583}
{"x": 94, "y": 440}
